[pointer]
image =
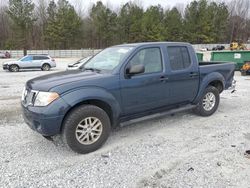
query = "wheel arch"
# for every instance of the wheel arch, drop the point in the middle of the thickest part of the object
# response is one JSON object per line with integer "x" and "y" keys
{"x": 101, "y": 99}
{"x": 99, "y": 103}
{"x": 14, "y": 64}
{"x": 218, "y": 84}
{"x": 46, "y": 63}
{"x": 213, "y": 79}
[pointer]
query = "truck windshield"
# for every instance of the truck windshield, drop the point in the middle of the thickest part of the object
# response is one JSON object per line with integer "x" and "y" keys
{"x": 108, "y": 59}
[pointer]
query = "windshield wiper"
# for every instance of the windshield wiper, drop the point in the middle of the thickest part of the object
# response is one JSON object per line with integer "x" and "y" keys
{"x": 92, "y": 69}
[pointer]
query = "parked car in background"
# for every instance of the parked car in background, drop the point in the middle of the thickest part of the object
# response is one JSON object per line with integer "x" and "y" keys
{"x": 78, "y": 64}
{"x": 218, "y": 47}
{"x": 5, "y": 55}
{"x": 128, "y": 82}
{"x": 44, "y": 62}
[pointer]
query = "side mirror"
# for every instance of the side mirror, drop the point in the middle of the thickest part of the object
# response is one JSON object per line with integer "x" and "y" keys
{"x": 135, "y": 69}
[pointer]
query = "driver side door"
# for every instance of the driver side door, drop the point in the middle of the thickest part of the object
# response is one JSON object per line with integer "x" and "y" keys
{"x": 26, "y": 62}
{"x": 144, "y": 91}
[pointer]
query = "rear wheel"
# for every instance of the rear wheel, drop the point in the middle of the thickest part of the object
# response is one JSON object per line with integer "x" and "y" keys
{"x": 46, "y": 67}
{"x": 209, "y": 102}
{"x": 86, "y": 128}
{"x": 13, "y": 68}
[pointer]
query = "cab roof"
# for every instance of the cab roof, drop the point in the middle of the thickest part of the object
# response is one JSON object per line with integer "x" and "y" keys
{"x": 151, "y": 43}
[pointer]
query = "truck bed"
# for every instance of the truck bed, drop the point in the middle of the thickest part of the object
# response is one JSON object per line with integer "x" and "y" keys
{"x": 225, "y": 68}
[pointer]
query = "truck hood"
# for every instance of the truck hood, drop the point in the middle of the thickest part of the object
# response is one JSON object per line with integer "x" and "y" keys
{"x": 45, "y": 83}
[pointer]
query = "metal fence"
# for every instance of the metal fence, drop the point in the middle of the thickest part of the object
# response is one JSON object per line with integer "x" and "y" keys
{"x": 198, "y": 47}
{"x": 55, "y": 53}
{"x": 89, "y": 52}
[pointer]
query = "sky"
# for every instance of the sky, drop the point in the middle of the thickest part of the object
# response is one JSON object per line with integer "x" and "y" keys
{"x": 83, "y": 6}
{"x": 144, "y": 3}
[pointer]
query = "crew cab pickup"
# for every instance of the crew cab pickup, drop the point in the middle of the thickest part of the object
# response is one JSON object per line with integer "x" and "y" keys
{"x": 123, "y": 83}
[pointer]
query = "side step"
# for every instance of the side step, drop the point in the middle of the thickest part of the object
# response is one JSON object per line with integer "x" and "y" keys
{"x": 157, "y": 115}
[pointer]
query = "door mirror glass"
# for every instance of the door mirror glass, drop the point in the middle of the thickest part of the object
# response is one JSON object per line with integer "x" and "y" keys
{"x": 136, "y": 69}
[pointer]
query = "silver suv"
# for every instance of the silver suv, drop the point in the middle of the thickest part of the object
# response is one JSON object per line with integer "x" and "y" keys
{"x": 44, "y": 62}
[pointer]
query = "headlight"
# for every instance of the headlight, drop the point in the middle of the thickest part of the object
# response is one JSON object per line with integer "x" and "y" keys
{"x": 45, "y": 98}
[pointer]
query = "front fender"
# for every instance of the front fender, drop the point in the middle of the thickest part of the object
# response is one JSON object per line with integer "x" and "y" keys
{"x": 83, "y": 94}
{"x": 214, "y": 76}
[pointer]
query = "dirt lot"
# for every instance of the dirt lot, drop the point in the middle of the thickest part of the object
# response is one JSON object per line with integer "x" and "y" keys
{"x": 183, "y": 150}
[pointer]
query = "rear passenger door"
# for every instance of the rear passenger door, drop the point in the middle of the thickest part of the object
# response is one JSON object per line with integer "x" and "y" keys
{"x": 38, "y": 61}
{"x": 183, "y": 74}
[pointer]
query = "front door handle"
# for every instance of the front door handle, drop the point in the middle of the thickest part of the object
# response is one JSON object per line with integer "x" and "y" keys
{"x": 163, "y": 78}
{"x": 193, "y": 74}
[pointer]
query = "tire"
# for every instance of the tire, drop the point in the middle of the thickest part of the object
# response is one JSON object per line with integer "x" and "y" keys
{"x": 77, "y": 130}
{"x": 46, "y": 67}
{"x": 14, "y": 68}
{"x": 208, "y": 108}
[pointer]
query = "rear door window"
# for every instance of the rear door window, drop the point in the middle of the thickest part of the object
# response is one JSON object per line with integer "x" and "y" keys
{"x": 179, "y": 57}
{"x": 40, "y": 57}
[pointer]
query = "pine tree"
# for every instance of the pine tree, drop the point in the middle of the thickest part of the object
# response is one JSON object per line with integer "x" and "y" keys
{"x": 21, "y": 14}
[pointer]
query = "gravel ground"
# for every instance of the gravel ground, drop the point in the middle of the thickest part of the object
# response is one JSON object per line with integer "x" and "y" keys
{"x": 183, "y": 150}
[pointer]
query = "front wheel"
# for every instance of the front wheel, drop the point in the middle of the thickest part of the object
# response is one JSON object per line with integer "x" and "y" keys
{"x": 13, "y": 68}
{"x": 86, "y": 128}
{"x": 209, "y": 102}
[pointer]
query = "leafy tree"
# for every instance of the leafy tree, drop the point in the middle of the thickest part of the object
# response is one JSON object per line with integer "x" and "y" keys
{"x": 59, "y": 26}
{"x": 104, "y": 24}
{"x": 219, "y": 17}
{"x": 130, "y": 23}
{"x": 173, "y": 25}
{"x": 204, "y": 22}
{"x": 5, "y": 35}
{"x": 21, "y": 13}
{"x": 136, "y": 15}
{"x": 124, "y": 23}
{"x": 152, "y": 24}
{"x": 195, "y": 22}
{"x": 64, "y": 25}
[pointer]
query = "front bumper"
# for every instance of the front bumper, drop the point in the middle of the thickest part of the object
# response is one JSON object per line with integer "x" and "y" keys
{"x": 5, "y": 67}
{"x": 46, "y": 120}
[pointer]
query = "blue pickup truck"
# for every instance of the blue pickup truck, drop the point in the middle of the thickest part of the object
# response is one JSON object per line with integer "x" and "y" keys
{"x": 123, "y": 83}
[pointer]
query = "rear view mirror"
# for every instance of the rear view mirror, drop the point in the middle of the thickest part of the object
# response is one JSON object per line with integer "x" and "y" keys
{"x": 135, "y": 69}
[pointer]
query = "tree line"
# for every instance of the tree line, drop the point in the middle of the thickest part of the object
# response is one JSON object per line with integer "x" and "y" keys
{"x": 58, "y": 25}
